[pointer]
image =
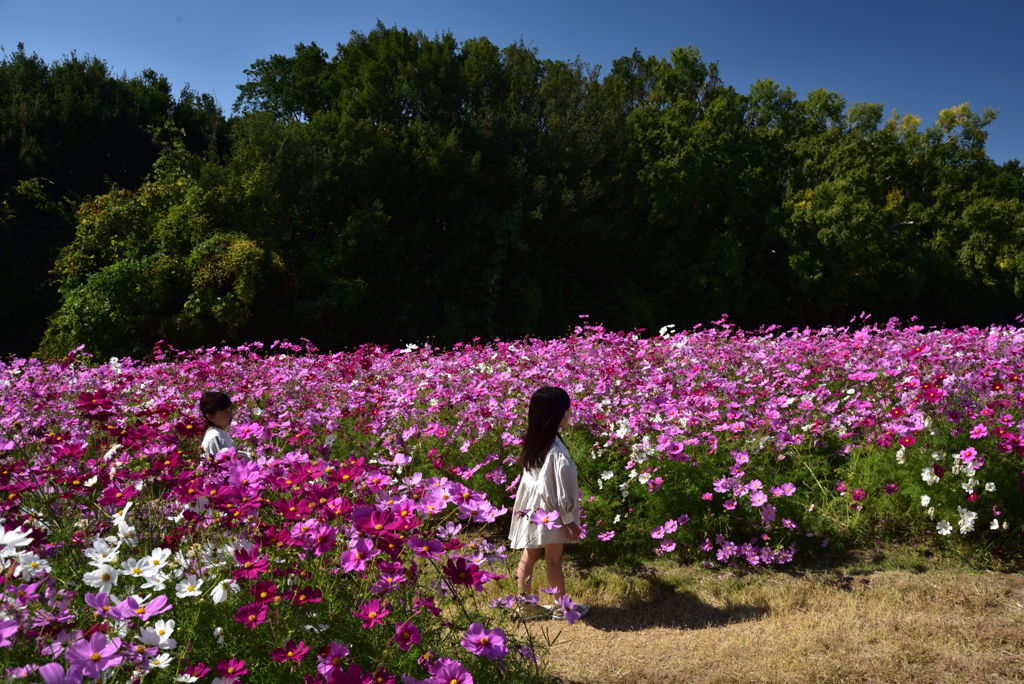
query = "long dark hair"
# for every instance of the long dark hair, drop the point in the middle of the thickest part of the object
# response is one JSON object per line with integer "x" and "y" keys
{"x": 547, "y": 406}
{"x": 211, "y": 402}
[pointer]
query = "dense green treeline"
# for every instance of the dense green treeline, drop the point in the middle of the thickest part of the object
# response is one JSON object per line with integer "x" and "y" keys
{"x": 411, "y": 187}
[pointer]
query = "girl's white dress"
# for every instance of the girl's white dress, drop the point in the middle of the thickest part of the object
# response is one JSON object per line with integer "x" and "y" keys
{"x": 215, "y": 440}
{"x": 553, "y": 487}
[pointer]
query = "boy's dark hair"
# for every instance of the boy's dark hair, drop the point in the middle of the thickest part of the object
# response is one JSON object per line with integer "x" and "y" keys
{"x": 211, "y": 402}
{"x": 547, "y": 406}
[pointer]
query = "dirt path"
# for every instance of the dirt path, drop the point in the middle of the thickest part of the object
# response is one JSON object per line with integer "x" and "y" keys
{"x": 889, "y": 626}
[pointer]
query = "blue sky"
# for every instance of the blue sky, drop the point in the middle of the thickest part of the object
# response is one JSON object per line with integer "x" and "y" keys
{"x": 916, "y": 57}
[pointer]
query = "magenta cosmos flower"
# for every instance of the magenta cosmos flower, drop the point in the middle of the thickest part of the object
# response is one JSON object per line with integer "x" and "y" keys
{"x": 406, "y": 635}
{"x": 461, "y": 571}
{"x": 489, "y": 643}
{"x": 357, "y": 556}
{"x": 130, "y": 608}
{"x": 93, "y": 656}
{"x": 231, "y": 668}
{"x": 251, "y": 614}
{"x": 291, "y": 651}
{"x": 250, "y": 564}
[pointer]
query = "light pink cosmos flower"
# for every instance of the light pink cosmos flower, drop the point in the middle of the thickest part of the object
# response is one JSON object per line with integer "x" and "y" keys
{"x": 331, "y": 659}
{"x": 94, "y": 656}
{"x": 357, "y": 556}
{"x": 549, "y": 519}
{"x": 489, "y": 643}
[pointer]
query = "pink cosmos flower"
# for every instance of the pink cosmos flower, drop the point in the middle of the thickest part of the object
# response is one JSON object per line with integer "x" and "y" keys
{"x": 978, "y": 431}
{"x": 426, "y": 548}
{"x": 451, "y": 672}
{"x": 251, "y": 615}
{"x": 330, "y": 659}
{"x": 758, "y": 499}
{"x": 606, "y": 536}
{"x": 378, "y": 522}
{"x": 406, "y": 635}
{"x": 357, "y": 556}
{"x": 372, "y": 613}
{"x": 729, "y": 505}
{"x": 94, "y": 656}
{"x": 290, "y": 651}
{"x": 859, "y": 494}
{"x": 569, "y": 607}
{"x": 489, "y": 643}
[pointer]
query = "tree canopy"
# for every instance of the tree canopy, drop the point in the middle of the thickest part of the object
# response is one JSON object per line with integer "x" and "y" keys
{"x": 410, "y": 188}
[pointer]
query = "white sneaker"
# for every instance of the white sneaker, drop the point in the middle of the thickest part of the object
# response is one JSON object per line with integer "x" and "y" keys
{"x": 558, "y": 614}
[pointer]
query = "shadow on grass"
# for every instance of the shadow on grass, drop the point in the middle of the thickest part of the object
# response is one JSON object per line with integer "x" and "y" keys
{"x": 672, "y": 609}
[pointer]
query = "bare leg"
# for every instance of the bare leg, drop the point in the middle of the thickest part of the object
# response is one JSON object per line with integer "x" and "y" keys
{"x": 524, "y": 575}
{"x": 553, "y": 560}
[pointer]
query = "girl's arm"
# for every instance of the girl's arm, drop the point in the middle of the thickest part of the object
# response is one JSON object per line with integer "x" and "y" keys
{"x": 567, "y": 490}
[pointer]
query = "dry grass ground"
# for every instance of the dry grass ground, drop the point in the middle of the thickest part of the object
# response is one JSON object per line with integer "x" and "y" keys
{"x": 852, "y": 624}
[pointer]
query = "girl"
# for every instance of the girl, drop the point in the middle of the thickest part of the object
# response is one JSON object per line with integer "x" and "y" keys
{"x": 548, "y": 484}
{"x": 217, "y": 411}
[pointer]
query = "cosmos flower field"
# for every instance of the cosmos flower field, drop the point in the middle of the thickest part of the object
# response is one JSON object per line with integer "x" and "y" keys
{"x": 358, "y": 533}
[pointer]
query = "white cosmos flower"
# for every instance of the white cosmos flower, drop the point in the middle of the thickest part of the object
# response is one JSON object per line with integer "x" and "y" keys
{"x": 158, "y": 635}
{"x": 156, "y": 582}
{"x": 188, "y": 587}
{"x": 990, "y": 486}
{"x": 103, "y": 578}
{"x": 30, "y": 565}
{"x": 122, "y": 514}
{"x": 218, "y": 632}
{"x": 136, "y": 568}
{"x": 102, "y": 553}
{"x": 607, "y": 475}
{"x": 13, "y": 540}
{"x": 161, "y": 661}
{"x": 157, "y": 559}
{"x": 644, "y": 478}
{"x": 943, "y": 527}
{"x": 221, "y": 590}
{"x": 925, "y": 499}
{"x": 994, "y": 525}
